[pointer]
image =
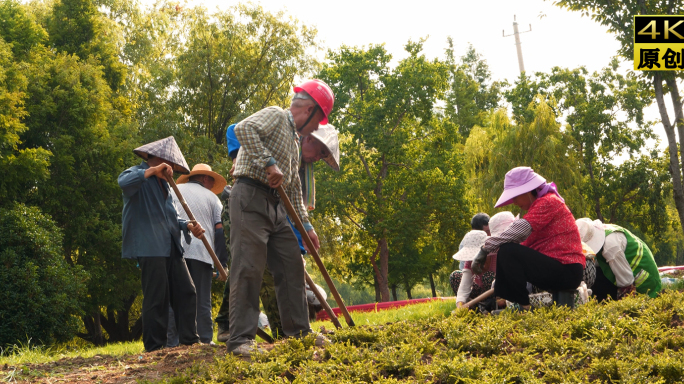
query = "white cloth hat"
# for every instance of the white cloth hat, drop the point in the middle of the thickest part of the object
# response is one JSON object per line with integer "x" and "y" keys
{"x": 327, "y": 134}
{"x": 500, "y": 222}
{"x": 311, "y": 296}
{"x": 472, "y": 242}
{"x": 591, "y": 233}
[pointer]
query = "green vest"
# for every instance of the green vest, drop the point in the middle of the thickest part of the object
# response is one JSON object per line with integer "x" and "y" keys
{"x": 640, "y": 259}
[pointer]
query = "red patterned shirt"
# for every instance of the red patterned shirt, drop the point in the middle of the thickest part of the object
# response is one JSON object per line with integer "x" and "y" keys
{"x": 554, "y": 232}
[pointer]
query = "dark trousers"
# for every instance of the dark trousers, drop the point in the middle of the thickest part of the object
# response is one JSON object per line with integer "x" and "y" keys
{"x": 261, "y": 235}
{"x": 516, "y": 265}
{"x": 167, "y": 280}
{"x": 603, "y": 288}
{"x": 268, "y": 300}
{"x": 201, "y": 274}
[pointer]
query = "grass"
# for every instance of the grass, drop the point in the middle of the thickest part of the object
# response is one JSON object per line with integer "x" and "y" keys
{"x": 35, "y": 354}
{"x": 635, "y": 340}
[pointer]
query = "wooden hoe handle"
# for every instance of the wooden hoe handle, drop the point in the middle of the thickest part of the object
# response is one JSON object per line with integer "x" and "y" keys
{"x": 314, "y": 254}
{"x": 476, "y": 300}
{"x": 222, "y": 272}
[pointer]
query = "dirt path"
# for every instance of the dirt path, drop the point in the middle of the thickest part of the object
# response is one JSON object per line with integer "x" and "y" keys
{"x": 152, "y": 366}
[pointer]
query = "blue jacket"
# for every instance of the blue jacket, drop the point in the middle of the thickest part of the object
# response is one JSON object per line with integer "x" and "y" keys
{"x": 150, "y": 221}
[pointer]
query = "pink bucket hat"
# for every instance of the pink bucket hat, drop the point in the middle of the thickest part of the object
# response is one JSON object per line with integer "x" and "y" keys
{"x": 518, "y": 180}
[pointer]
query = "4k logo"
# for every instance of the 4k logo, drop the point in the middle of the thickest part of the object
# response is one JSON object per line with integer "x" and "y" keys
{"x": 658, "y": 43}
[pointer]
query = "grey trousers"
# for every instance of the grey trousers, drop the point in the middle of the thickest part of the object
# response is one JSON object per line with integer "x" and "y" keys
{"x": 166, "y": 280}
{"x": 261, "y": 235}
{"x": 201, "y": 274}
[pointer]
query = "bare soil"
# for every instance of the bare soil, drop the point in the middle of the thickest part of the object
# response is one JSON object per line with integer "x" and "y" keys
{"x": 145, "y": 367}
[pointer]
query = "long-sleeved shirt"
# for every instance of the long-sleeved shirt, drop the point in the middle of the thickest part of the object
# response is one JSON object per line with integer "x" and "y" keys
{"x": 614, "y": 253}
{"x": 150, "y": 221}
{"x": 269, "y": 137}
{"x": 548, "y": 228}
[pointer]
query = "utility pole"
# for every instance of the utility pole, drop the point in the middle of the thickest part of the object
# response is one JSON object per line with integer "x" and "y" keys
{"x": 517, "y": 42}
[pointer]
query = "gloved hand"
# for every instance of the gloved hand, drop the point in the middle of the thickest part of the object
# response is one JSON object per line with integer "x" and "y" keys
{"x": 479, "y": 262}
{"x": 625, "y": 291}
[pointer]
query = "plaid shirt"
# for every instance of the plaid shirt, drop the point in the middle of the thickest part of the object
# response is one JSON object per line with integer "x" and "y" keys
{"x": 516, "y": 233}
{"x": 269, "y": 137}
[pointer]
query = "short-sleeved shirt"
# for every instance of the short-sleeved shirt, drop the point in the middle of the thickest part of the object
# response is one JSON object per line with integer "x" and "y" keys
{"x": 206, "y": 207}
{"x": 554, "y": 231}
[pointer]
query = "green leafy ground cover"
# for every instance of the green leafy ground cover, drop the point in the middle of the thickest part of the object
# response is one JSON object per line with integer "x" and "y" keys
{"x": 636, "y": 340}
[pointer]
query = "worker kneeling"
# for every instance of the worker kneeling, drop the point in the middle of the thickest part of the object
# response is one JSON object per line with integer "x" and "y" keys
{"x": 542, "y": 248}
{"x": 626, "y": 264}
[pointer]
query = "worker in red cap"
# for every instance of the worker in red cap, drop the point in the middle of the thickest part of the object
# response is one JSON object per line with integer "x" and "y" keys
{"x": 260, "y": 233}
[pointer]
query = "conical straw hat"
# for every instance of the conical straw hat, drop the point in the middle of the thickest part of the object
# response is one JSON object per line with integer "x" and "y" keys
{"x": 166, "y": 149}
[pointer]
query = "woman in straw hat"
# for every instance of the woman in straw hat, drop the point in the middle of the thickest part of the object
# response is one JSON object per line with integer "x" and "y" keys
{"x": 151, "y": 234}
{"x": 543, "y": 248}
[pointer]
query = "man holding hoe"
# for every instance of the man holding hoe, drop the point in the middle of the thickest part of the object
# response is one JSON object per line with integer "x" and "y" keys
{"x": 322, "y": 144}
{"x": 260, "y": 232}
{"x": 151, "y": 234}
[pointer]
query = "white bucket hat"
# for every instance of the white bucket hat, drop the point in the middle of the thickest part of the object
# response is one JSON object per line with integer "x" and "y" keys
{"x": 472, "y": 242}
{"x": 591, "y": 233}
{"x": 500, "y": 222}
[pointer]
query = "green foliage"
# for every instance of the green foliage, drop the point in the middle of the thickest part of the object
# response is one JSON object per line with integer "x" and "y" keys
{"x": 636, "y": 340}
{"x": 471, "y": 94}
{"x": 22, "y": 167}
{"x": 77, "y": 27}
{"x": 237, "y": 62}
{"x": 20, "y": 29}
{"x": 70, "y": 113}
{"x": 619, "y": 18}
{"x": 603, "y": 113}
{"x": 536, "y": 142}
{"x": 401, "y": 181}
{"x": 40, "y": 299}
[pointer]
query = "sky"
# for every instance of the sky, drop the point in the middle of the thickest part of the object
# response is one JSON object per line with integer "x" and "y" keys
{"x": 558, "y": 37}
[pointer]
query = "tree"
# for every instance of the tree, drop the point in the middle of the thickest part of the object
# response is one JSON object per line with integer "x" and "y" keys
{"x": 77, "y": 27}
{"x": 603, "y": 112}
{"x": 22, "y": 167}
{"x": 400, "y": 177}
{"x": 238, "y": 62}
{"x": 40, "y": 296}
{"x": 618, "y": 17}
{"x": 471, "y": 94}
{"x": 536, "y": 141}
{"x": 70, "y": 113}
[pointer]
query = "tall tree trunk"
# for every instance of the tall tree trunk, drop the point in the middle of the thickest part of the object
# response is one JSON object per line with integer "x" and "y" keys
{"x": 407, "y": 286}
{"x": 377, "y": 288}
{"x": 675, "y": 169}
{"x": 394, "y": 292}
{"x": 432, "y": 286}
{"x": 381, "y": 271}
